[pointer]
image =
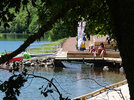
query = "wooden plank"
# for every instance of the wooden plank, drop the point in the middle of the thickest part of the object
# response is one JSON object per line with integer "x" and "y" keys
{"x": 95, "y": 93}
{"x": 112, "y": 55}
{"x": 78, "y": 52}
{"x": 105, "y": 43}
{"x": 82, "y": 54}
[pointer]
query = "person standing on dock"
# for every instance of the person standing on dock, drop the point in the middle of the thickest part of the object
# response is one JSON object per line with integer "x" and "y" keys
{"x": 81, "y": 35}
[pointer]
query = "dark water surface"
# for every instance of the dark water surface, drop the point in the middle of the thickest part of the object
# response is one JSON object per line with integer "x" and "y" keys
{"x": 72, "y": 82}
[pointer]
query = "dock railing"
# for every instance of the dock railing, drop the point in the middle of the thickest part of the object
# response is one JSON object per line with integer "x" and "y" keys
{"x": 95, "y": 93}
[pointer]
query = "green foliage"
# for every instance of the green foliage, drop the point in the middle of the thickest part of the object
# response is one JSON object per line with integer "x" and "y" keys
{"x": 3, "y": 53}
{"x": 21, "y": 20}
{"x": 27, "y": 56}
{"x": 41, "y": 11}
{"x": 1, "y": 35}
{"x": 60, "y": 30}
{"x": 14, "y": 36}
{"x": 94, "y": 12}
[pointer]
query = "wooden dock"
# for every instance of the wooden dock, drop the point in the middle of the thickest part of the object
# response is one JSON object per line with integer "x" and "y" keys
{"x": 109, "y": 59}
{"x": 87, "y": 54}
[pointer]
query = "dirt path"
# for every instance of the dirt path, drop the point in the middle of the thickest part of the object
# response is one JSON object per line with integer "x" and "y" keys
{"x": 69, "y": 44}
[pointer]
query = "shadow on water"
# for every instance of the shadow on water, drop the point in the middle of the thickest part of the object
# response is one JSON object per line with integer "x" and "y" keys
{"x": 72, "y": 82}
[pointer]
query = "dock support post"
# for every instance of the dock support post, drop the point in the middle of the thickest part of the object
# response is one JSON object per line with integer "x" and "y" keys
{"x": 58, "y": 63}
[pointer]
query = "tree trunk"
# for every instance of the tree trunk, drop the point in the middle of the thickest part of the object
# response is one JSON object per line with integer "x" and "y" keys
{"x": 122, "y": 12}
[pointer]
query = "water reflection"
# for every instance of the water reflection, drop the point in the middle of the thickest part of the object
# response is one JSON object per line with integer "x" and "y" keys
{"x": 71, "y": 82}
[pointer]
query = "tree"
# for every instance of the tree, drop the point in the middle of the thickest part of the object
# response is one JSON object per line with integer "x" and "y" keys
{"x": 122, "y": 16}
{"x": 114, "y": 17}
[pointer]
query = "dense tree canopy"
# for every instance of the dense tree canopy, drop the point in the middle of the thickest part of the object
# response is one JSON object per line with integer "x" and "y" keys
{"x": 114, "y": 17}
{"x": 27, "y": 20}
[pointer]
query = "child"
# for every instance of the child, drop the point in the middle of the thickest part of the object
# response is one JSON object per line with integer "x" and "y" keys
{"x": 93, "y": 50}
{"x": 101, "y": 50}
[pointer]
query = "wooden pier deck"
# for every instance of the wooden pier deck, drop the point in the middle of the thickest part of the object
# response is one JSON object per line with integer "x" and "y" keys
{"x": 115, "y": 60}
{"x": 87, "y": 54}
{"x": 109, "y": 59}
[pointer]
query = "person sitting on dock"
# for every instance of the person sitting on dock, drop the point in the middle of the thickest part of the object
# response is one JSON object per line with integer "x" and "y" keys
{"x": 101, "y": 50}
{"x": 93, "y": 50}
{"x": 82, "y": 47}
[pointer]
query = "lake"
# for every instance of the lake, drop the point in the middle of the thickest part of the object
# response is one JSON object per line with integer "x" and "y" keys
{"x": 13, "y": 45}
{"x": 72, "y": 82}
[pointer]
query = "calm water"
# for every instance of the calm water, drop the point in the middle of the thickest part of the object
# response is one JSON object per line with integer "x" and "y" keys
{"x": 13, "y": 45}
{"x": 72, "y": 82}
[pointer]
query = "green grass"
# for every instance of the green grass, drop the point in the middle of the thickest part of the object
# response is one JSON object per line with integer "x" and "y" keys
{"x": 47, "y": 48}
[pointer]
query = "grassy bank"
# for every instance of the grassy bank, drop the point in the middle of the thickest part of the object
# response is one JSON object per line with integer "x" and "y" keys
{"x": 47, "y": 48}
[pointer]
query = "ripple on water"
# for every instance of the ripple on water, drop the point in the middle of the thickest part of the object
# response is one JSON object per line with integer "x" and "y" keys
{"x": 74, "y": 82}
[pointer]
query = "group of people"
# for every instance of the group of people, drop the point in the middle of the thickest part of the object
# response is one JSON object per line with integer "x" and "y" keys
{"x": 101, "y": 50}
{"x": 82, "y": 47}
